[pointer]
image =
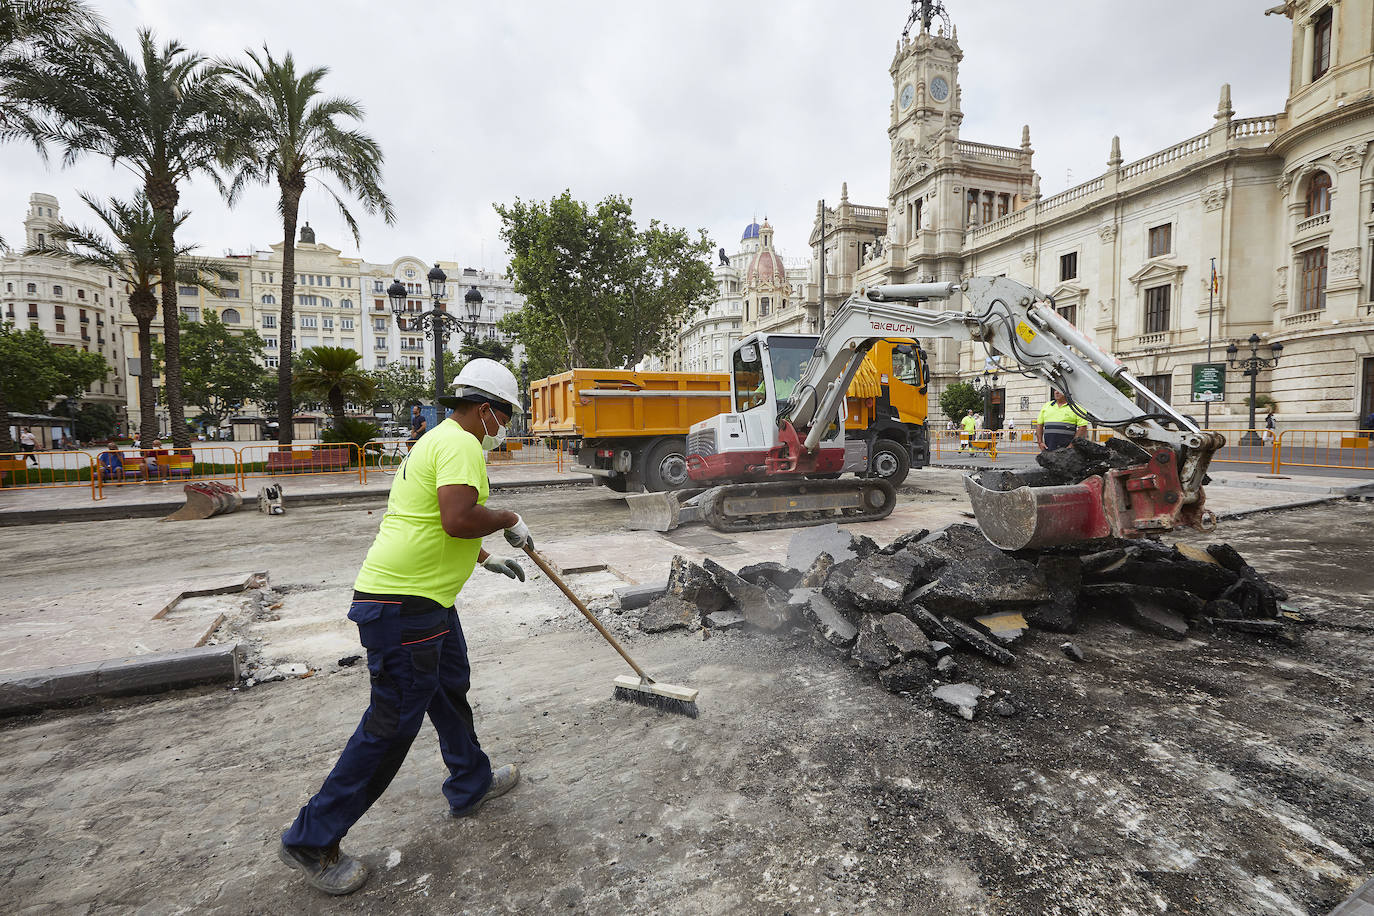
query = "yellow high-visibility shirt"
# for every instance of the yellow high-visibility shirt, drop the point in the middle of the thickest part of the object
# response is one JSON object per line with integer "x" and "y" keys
{"x": 968, "y": 424}
{"x": 412, "y": 554}
{"x": 1060, "y": 420}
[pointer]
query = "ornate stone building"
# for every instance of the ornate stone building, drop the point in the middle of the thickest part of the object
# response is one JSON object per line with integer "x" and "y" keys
{"x": 1283, "y": 202}
{"x": 73, "y": 306}
{"x": 757, "y": 289}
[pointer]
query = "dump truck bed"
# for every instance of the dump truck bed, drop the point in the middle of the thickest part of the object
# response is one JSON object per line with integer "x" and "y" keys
{"x": 610, "y": 403}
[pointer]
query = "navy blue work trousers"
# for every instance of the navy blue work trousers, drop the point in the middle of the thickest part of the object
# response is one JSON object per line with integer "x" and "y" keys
{"x": 1057, "y": 440}
{"x": 418, "y": 662}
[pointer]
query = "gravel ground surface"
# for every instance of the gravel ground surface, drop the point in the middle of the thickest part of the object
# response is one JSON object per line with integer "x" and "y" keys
{"x": 1214, "y": 775}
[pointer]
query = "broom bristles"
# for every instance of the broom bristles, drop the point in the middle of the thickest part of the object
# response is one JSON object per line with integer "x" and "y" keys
{"x": 645, "y": 697}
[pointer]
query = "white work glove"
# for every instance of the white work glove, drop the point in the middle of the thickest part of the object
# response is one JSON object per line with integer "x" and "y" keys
{"x": 518, "y": 535}
{"x": 504, "y": 567}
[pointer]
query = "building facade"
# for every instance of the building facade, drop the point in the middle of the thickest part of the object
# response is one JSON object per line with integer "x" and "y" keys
{"x": 757, "y": 289}
{"x": 1282, "y": 203}
{"x": 74, "y": 306}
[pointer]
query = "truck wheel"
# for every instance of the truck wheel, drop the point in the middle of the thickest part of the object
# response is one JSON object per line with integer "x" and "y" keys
{"x": 665, "y": 466}
{"x": 889, "y": 461}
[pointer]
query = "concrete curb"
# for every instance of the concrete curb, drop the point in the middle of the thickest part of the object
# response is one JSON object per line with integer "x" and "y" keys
{"x": 25, "y": 691}
{"x": 1281, "y": 507}
{"x": 99, "y": 513}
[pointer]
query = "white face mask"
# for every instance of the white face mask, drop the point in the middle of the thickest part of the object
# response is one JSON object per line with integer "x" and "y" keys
{"x": 490, "y": 441}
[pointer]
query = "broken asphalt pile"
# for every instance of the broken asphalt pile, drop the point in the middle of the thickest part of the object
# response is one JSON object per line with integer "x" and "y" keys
{"x": 932, "y": 605}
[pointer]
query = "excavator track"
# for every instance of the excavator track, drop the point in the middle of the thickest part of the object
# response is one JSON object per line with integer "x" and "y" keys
{"x": 796, "y": 503}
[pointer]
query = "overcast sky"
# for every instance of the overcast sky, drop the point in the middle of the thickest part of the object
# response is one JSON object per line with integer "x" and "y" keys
{"x": 705, "y": 113}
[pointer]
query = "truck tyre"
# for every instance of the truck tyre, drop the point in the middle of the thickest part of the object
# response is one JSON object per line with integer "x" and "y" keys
{"x": 889, "y": 461}
{"x": 665, "y": 466}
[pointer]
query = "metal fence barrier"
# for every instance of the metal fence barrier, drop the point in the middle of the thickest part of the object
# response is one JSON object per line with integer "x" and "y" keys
{"x": 1325, "y": 448}
{"x": 528, "y": 451}
{"x": 256, "y": 461}
{"x": 48, "y": 471}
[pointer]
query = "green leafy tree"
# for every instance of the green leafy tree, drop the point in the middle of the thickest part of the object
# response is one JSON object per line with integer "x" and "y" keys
{"x": 293, "y": 133}
{"x": 91, "y": 421}
{"x": 131, "y": 253}
{"x": 398, "y": 386}
{"x": 221, "y": 367}
{"x": 332, "y": 375}
{"x": 452, "y": 363}
{"x": 597, "y": 289}
{"x": 163, "y": 112}
{"x": 34, "y": 372}
{"x": 484, "y": 348}
{"x": 960, "y": 398}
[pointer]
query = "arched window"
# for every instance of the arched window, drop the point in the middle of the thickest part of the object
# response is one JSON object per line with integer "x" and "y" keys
{"x": 230, "y": 316}
{"x": 269, "y": 299}
{"x": 1318, "y": 193}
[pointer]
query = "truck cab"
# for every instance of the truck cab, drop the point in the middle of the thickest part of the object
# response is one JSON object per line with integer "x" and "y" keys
{"x": 884, "y": 440}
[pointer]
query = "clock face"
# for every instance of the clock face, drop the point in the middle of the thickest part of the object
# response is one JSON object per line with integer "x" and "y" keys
{"x": 939, "y": 89}
{"x": 908, "y": 93}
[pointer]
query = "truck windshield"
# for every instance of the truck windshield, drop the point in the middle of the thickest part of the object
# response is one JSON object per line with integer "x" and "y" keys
{"x": 748, "y": 378}
{"x": 788, "y": 357}
{"x": 905, "y": 364}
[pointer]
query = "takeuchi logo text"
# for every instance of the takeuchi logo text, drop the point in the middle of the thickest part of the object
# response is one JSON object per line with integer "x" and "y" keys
{"x": 893, "y": 327}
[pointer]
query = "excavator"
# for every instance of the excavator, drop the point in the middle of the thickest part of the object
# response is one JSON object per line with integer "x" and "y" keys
{"x": 776, "y": 460}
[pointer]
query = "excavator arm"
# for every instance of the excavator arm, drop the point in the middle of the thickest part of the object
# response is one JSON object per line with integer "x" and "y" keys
{"x": 1159, "y": 489}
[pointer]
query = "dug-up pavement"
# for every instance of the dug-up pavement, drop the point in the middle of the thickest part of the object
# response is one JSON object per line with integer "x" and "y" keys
{"x": 1216, "y": 774}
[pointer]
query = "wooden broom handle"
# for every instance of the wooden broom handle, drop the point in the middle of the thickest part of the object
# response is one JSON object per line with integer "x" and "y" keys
{"x": 577, "y": 602}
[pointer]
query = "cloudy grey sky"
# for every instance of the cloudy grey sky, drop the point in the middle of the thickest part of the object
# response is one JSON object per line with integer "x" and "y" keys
{"x": 705, "y": 113}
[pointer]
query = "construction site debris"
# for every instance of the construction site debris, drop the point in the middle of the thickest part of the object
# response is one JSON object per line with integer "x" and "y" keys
{"x": 914, "y": 612}
{"x": 960, "y": 699}
{"x": 669, "y": 612}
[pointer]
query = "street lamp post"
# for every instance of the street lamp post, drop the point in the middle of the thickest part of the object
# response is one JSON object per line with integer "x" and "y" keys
{"x": 437, "y": 323}
{"x": 1252, "y": 366}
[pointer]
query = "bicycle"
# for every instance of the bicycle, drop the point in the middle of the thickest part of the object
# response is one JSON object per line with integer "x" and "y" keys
{"x": 391, "y": 455}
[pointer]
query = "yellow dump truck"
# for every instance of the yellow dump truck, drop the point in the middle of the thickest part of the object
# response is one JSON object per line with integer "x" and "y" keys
{"x": 629, "y": 429}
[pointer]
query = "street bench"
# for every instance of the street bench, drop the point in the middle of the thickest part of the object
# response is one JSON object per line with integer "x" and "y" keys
{"x": 309, "y": 461}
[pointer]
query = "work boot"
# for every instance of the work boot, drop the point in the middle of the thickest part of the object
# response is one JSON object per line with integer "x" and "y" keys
{"x": 326, "y": 867}
{"x": 503, "y": 779}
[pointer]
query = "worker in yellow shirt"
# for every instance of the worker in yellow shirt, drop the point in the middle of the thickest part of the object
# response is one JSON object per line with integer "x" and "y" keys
{"x": 968, "y": 428}
{"x": 1057, "y": 425}
{"x": 428, "y": 544}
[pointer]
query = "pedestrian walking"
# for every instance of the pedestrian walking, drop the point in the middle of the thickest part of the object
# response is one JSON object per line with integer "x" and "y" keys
{"x": 1057, "y": 424}
{"x": 1269, "y": 427}
{"x": 429, "y": 543}
{"x": 418, "y": 425}
{"x": 28, "y": 442}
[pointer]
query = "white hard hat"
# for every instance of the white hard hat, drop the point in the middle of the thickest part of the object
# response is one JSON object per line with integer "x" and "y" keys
{"x": 488, "y": 378}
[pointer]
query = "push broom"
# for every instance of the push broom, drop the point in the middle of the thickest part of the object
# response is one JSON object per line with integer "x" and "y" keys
{"x": 643, "y": 690}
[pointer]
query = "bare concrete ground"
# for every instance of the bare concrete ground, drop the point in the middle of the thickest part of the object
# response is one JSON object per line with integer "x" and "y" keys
{"x": 1215, "y": 775}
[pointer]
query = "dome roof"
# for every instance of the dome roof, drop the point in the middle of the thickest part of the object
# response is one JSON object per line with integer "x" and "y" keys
{"x": 751, "y": 231}
{"x": 766, "y": 269}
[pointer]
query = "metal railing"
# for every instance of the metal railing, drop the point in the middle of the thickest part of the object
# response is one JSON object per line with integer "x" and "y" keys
{"x": 1325, "y": 448}
{"x": 121, "y": 467}
{"x": 256, "y": 461}
{"x": 528, "y": 452}
{"x": 48, "y": 471}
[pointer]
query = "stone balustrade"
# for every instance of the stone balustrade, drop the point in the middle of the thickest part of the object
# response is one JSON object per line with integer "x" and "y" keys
{"x": 1303, "y": 318}
{"x": 1187, "y": 149}
{"x": 1313, "y": 222}
{"x": 969, "y": 149}
{"x": 1242, "y": 128}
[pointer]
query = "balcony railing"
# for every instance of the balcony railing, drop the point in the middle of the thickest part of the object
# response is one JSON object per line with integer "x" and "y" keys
{"x": 1303, "y": 318}
{"x": 1190, "y": 147}
{"x": 1314, "y": 222}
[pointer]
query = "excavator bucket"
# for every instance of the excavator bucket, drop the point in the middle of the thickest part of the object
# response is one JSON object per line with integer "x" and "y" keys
{"x": 662, "y": 511}
{"x": 1029, "y": 517}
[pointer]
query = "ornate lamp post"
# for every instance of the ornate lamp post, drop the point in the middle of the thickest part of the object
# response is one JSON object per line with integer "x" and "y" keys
{"x": 1252, "y": 366}
{"x": 437, "y": 323}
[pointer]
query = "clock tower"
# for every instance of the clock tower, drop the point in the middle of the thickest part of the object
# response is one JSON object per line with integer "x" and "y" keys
{"x": 925, "y": 87}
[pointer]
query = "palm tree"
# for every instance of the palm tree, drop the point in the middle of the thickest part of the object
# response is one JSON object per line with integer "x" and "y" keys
{"x": 166, "y": 115}
{"x": 132, "y": 254}
{"x": 332, "y": 374}
{"x": 294, "y": 133}
{"x": 27, "y": 28}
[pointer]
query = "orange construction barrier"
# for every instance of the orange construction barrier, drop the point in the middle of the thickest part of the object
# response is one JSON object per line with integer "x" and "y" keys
{"x": 48, "y": 471}
{"x": 1324, "y": 448}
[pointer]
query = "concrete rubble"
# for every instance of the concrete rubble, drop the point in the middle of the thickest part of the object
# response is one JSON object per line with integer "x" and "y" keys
{"x": 927, "y": 612}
